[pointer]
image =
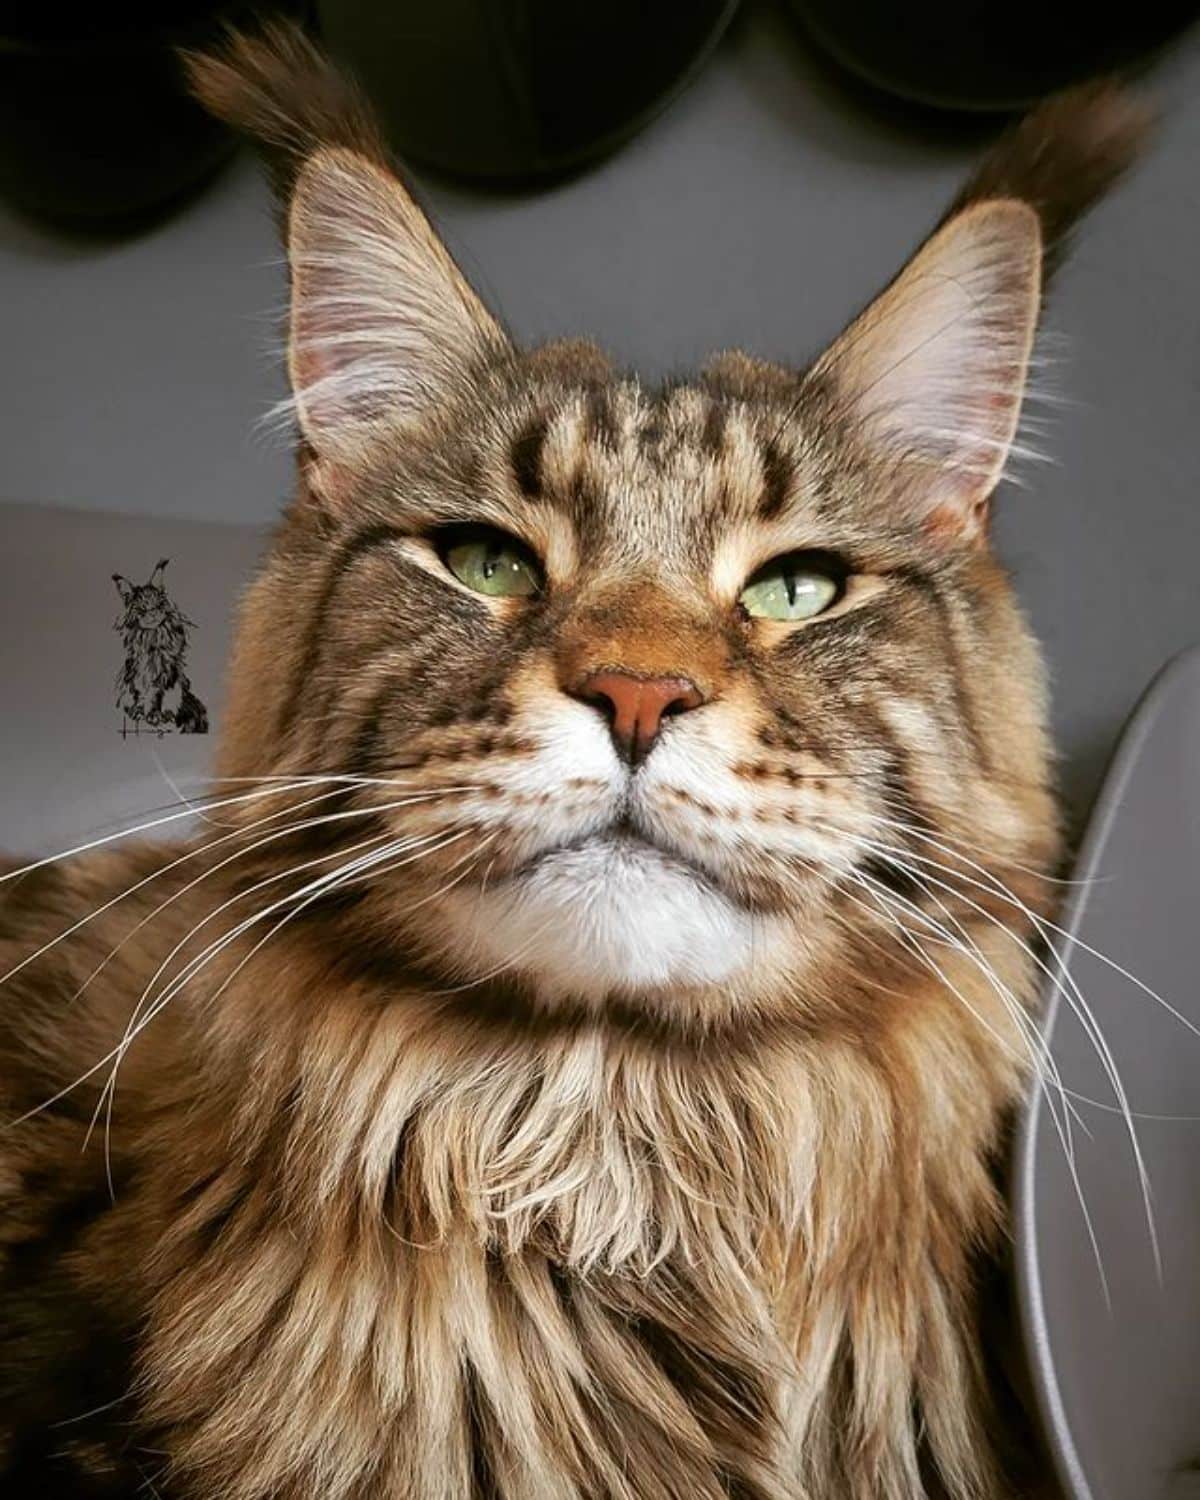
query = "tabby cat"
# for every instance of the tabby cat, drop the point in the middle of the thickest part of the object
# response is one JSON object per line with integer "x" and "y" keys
{"x": 571, "y": 1060}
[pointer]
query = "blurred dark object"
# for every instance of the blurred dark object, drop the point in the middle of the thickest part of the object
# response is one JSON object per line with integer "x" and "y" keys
{"x": 519, "y": 89}
{"x": 96, "y": 129}
{"x": 986, "y": 55}
{"x": 1106, "y": 1217}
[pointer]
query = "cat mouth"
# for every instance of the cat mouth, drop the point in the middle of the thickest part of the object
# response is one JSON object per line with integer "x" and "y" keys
{"x": 621, "y": 841}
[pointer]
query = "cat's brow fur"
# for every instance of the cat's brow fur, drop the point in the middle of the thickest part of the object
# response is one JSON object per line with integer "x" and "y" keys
{"x": 379, "y": 1211}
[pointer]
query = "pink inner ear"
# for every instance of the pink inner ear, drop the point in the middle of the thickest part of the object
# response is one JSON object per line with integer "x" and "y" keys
{"x": 339, "y": 367}
{"x": 950, "y": 523}
{"x": 382, "y": 320}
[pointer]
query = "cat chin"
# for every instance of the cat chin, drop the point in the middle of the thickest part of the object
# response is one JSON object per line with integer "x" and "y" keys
{"x": 610, "y": 915}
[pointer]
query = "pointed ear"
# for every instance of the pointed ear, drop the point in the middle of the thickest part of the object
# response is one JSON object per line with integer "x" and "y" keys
{"x": 124, "y": 587}
{"x": 156, "y": 577}
{"x": 382, "y": 320}
{"x": 929, "y": 379}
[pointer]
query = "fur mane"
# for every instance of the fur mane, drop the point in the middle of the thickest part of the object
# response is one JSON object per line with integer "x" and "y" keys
{"x": 606, "y": 1237}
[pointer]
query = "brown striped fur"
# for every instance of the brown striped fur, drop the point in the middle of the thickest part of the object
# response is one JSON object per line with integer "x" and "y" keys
{"x": 512, "y": 1170}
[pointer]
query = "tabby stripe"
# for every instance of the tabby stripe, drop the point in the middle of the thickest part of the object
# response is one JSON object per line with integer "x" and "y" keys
{"x": 712, "y": 434}
{"x": 367, "y": 540}
{"x": 361, "y": 761}
{"x": 899, "y": 796}
{"x": 778, "y": 473}
{"x": 892, "y": 877}
{"x": 525, "y": 457}
{"x": 481, "y": 1428}
{"x": 599, "y": 425}
{"x": 653, "y": 428}
{"x": 931, "y": 590}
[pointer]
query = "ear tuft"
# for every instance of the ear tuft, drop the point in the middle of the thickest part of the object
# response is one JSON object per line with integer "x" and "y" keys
{"x": 382, "y": 321}
{"x": 929, "y": 380}
{"x": 274, "y": 87}
{"x": 1063, "y": 157}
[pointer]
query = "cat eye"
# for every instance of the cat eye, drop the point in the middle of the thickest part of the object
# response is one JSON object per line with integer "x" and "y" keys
{"x": 490, "y": 561}
{"x": 796, "y": 586}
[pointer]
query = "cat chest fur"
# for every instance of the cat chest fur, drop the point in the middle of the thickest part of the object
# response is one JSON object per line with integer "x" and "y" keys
{"x": 580, "y": 1270}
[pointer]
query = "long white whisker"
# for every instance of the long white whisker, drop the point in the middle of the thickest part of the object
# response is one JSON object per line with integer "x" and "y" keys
{"x": 308, "y": 893}
{"x": 190, "y": 854}
{"x": 971, "y": 952}
{"x": 241, "y": 895}
{"x": 314, "y": 890}
{"x": 279, "y": 875}
{"x": 1060, "y": 1126}
{"x": 180, "y": 795}
{"x": 125, "y": 833}
{"x": 1066, "y": 985}
{"x": 133, "y": 1026}
{"x": 267, "y": 786}
{"x": 1040, "y": 1053}
{"x": 1044, "y": 924}
{"x": 416, "y": 797}
{"x": 1045, "y": 1067}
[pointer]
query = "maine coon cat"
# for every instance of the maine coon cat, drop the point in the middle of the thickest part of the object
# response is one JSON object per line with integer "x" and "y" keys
{"x": 571, "y": 1059}
{"x": 153, "y": 687}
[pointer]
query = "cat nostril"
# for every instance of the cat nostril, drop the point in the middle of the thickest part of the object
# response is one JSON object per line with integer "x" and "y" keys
{"x": 636, "y": 706}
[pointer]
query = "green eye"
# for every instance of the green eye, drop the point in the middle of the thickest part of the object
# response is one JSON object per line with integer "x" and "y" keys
{"x": 796, "y": 586}
{"x": 491, "y": 562}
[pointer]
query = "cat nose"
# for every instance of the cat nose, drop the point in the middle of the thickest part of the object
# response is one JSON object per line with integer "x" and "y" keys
{"x": 636, "y": 706}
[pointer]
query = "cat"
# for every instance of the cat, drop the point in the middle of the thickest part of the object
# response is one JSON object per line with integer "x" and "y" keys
{"x": 152, "y": 686}
{"x": 573, "y": 1059}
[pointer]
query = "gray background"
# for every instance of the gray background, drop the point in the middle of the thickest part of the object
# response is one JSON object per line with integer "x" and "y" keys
{"x": 762, "y": 209}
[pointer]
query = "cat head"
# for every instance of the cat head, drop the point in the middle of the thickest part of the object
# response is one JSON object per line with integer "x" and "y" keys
{"x": 146, "y": 606}
{"x": 643, "y": 698}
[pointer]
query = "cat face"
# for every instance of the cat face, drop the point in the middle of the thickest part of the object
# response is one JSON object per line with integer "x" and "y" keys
{"x": 642, "y": 693}
{"x": 146, "y": 605}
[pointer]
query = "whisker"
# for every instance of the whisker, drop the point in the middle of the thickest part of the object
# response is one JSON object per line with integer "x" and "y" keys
{"x": 1044, "y": 923}
{"x": 125, "y": 833}
{"x": 317, "y": 888}
{"x": 1039, "y": 1051}
{"x": 369, "y": 865}
{"x": 394, "y": 844}
{"x": 133, "y": 1026}
{"x": 147, "y": 879}
{"x": 1061, "y": 1127}
{"x": 322, "y": 859}
{"x": 180, "y": 796}
{"x": 191, "y": 854}
{"x": 1066, "y": 985}
{"x": 267, "y": 786}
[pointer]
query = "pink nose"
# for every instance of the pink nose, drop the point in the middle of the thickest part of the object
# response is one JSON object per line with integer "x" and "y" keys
{"x": 636, "y": 706}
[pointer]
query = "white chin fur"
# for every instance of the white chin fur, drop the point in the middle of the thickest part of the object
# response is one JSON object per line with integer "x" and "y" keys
{"x": 610, "y": 915}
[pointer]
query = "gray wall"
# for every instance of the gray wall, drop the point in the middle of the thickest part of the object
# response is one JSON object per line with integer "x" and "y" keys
{"x": 761, "y": 210}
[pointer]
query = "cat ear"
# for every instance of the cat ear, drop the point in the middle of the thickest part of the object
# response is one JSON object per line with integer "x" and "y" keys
{"x": 124, "y": 587}
{"x": 156, "y": 577}
{"x": 929, "y": 379}
{"x": 382, "y": 320}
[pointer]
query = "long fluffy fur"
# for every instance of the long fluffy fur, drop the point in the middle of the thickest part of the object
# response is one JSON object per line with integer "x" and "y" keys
{"x": 381, "y": 1202}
